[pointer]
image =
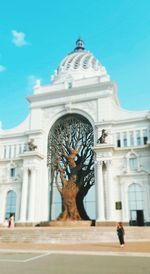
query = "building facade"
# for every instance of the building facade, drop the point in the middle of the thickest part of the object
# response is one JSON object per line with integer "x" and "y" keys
{"x": 79, "y": 86}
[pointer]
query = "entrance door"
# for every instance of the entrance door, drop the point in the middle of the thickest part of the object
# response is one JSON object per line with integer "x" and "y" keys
{"x": 140, "y": 217}
{"x": 137, "y": 218}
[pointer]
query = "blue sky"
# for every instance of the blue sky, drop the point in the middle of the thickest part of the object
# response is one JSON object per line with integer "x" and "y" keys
{"x": 36, "y": 35}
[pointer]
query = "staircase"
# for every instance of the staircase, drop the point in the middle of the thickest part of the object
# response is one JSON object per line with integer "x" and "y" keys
{"x": 70, "y": 235}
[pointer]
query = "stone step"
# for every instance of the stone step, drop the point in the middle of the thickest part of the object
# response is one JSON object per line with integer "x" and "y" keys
{"x": 71, "y": 235}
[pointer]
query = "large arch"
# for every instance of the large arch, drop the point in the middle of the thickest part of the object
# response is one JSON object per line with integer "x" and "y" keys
{"x": 72, "y": 120}
{"x": 72, "y": 111}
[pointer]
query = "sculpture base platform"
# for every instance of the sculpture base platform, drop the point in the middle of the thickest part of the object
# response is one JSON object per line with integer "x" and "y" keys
{"x": 68, "y": 223}
{"x": 71, "y": 224}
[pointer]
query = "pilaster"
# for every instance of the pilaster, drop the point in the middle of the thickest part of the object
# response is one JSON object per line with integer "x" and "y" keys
{"x": 100, "y": 215}
{"x": 103, "y": 155}
{"x": 31, "y": 213}
{"x": 24, "y": 194}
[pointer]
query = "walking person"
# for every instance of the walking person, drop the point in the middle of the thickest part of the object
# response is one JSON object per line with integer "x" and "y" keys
{"x": 11, "y": 222}
{"x": 121, "y": 233}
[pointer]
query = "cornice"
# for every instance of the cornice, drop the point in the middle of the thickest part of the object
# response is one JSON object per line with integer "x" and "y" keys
{"x": 110, "y": 85}
{"x": 123, "y": 121}
{"x": 23, "y": 134}
{"x": 32, "y": 154}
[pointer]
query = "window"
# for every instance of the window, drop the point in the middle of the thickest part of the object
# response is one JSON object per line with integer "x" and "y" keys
{"x": 145, "y": 136}
{"x": 10, "y": 204}
{"x": 133, "y": 163}
{"x": 125, "y": 139}
{"x": 69, "y": 84}
{"x": 135, "y": 197}
{"x": 12, "y": 172}
{"x": 138, "y": 137}
{"x": 118, "y": 140}
{"x": 131, "y": 138}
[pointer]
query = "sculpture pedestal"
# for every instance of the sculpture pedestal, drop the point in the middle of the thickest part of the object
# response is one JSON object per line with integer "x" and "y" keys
{"x": 68, "y": 223}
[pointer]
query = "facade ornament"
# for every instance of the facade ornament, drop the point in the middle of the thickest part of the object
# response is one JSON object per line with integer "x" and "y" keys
{"x": 108, "y": 163}
{"x": 37, "y": 84}
{"x": 79, "y": 45}
{"x": 99, "y": 162}
{"x": 68, "y": 107}
{"x": 31, "y": 146}
{"x": 102, "y": 138}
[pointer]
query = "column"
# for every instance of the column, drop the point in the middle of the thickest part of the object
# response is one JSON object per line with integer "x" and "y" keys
{"x": 121, "y": 139}
{"x": 7, "y": 151}
{"x": 141, "y": 137}
{"x": 125, "y": 205}
{"x": 32, "y": 195}
{"x": 12, "y": 152}
{"x": 146, "y": 205}
{"x": 128, "y": 138}
{"x": 3, "y": 196}
{"x": 24, "y": 193}
{"x": 100, "y": 216}
{"x": 110, "y": 192}
{"x": 135, "y": 138}
{"x": 18, "y": 192}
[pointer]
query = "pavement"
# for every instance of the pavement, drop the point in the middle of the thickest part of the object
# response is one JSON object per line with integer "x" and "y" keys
{"x": 129, "y": 247}
{"x": 100, "y": 258}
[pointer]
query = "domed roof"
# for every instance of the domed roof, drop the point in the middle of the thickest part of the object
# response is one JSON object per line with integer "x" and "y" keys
{"x": 79, "y": 64}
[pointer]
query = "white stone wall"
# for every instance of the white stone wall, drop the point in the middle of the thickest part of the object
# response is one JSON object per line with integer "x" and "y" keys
{"x": 98, "y": 102}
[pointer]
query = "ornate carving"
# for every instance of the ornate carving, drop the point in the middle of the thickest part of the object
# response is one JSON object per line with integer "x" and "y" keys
{"x": 108, "y": 163}
{"x": 102, "y": 138}
{"x": 99, "y": 163}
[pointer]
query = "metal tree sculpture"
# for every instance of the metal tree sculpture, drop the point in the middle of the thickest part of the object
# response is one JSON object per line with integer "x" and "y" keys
{"x": 71, "y": 159}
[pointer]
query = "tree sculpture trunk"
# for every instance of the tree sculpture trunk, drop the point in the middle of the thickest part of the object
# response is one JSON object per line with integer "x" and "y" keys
{"x": 69, "y": 207}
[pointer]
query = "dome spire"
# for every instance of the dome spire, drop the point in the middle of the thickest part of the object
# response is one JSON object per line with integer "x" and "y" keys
{"x": 79, "y": 45}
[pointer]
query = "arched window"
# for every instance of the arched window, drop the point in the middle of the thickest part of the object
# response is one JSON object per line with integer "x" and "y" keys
{"x": 10, "y": 204}
{"x": 133, "y": 163}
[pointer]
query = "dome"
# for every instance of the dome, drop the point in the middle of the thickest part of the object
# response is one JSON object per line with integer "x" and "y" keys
{"x": 79, "y": 64}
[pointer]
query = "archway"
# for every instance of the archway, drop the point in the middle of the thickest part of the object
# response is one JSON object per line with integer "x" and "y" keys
{"x": 71, "y": 160}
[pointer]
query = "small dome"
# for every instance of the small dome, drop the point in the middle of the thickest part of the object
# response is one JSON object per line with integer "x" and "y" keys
{"x": 79, "y": 64}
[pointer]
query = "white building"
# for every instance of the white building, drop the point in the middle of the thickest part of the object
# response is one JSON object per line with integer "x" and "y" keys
{"x": 82, "y": 86}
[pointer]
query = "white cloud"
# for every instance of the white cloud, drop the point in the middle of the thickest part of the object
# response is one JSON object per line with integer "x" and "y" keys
{"x": 31, "y": 82}
{"x": 19, "y": 38}
{"x": 2, "y": 68}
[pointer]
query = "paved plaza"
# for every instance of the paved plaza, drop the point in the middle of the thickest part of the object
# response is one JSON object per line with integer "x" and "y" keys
{"x": 26, "y": 258}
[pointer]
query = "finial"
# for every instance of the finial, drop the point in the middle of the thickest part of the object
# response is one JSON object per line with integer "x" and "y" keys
{"x": 79, "y": 45}
{"x": 37, "y": 84}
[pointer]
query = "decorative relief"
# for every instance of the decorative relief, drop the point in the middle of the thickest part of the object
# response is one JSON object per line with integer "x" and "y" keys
{"x": 89, "y": 107}
{"x": 100, "y": 155}
{"x": 49, "y": 113}
{"x": 68, "y": 107}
